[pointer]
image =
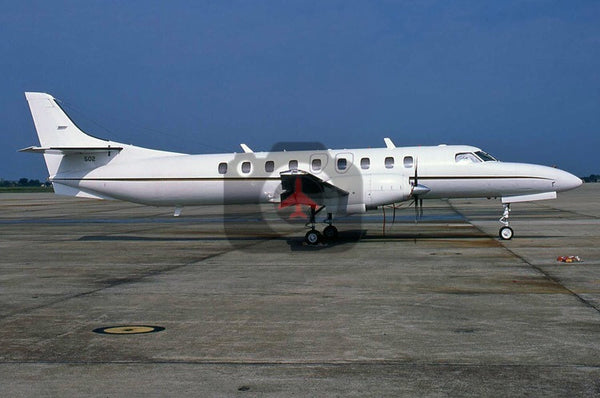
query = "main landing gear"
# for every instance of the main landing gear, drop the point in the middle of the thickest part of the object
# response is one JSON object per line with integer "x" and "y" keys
{"x": 506, "y": 232}
{"x": 313, "y": 237}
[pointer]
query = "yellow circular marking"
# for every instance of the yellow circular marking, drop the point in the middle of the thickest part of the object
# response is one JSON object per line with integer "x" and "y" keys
{"x": 129, "y": 329}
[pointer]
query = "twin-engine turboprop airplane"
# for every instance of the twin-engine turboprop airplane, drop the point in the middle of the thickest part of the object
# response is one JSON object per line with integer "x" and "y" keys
{"x": 342, "y": 182}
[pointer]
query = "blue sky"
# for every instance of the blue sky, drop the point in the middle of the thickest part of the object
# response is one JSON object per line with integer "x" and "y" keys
{"x": 519, "y": 79}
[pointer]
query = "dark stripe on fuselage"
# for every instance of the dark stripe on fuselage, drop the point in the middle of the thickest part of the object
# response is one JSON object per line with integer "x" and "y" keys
{"x": 171, "y": 179}
{"x": 476, "y": 177}
{"x": 458, "y": 178}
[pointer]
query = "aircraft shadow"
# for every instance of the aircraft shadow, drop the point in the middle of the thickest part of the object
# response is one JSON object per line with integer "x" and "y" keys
{"x": 121, "y": 238}
{"x": 345, "y": 239}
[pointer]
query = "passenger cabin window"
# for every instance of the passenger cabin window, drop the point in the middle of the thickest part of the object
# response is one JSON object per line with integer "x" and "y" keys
{"x": 466, "y": 158}
{"x": 389, "y": 162}
{"x": 293, "y": 165}
{"x": 222, "y": 168}
{"x": 316, "y": 164}
{"x": 365, "y": 163}
{"x": 246, "y": 167}
{"x": 408, "y": 162}
{"x": 342, "y": 163}
{"x": 269, "y": 166}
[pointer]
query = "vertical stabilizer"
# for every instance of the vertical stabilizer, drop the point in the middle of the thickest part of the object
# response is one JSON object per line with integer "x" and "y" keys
{"x": 55, "y": 129}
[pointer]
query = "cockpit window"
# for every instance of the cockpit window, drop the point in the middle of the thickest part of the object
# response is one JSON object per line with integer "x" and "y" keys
{"x": 486, "y": 157}
{"x": 466, "y": 158}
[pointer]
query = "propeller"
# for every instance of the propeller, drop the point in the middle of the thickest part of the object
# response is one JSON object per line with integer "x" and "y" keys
{"x": 416, "y": 195}
{"x": 383, "y": 224}
{"x": 417, "y": 191}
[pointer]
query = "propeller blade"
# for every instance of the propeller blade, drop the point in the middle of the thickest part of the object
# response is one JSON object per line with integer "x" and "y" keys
{"x": 416, "y": 191}
{"x": 416, "y": 210}
{"x": 383, "y": 224}
{"x": 416, "y": 173}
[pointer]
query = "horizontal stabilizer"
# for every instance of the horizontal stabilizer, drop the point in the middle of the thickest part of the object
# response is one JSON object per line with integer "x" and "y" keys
{"x": 69, "y": 150}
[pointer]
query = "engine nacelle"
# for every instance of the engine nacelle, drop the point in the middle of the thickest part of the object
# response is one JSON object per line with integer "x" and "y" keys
{"x": 383, "y": 189}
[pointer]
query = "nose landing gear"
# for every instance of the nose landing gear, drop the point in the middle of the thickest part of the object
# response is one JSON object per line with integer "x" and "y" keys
{"x": 506, "y": 232}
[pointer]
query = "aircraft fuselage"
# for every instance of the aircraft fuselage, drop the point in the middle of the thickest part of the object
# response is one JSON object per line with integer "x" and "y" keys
{"x": 372, "y": 176}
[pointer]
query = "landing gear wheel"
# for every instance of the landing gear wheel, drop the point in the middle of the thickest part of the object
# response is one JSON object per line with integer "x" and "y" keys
{"x": 330, "y": 233}
{"x": 313, "y": 237}
{"x": 506, "y": 233}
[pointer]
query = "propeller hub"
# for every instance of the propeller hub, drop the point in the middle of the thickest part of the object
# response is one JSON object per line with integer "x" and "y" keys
{"x": 420, "y": 189}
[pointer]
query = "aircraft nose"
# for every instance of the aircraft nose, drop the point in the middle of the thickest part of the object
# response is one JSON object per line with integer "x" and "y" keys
{"x": 565, "y": 181}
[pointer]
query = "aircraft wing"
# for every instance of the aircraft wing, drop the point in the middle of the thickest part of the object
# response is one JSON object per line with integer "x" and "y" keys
{"x": 301, "y": 187}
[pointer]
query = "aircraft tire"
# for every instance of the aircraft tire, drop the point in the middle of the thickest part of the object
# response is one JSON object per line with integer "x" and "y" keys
{"x": 330, "y": 233}
{"x": 506, "y": 233}
{"x": 313, "y": 237}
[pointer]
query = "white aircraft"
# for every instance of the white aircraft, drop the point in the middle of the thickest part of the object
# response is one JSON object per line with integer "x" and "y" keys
{"x": 344, "y": 181}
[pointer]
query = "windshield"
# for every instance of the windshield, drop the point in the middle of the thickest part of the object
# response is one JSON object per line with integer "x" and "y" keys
{"x": 466, "y": 158}
{"x": 486, "y": 157}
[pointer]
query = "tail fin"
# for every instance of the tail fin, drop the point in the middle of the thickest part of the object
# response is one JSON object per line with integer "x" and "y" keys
{"x": 58, "y": 135}
{"x": 54, "y": 127}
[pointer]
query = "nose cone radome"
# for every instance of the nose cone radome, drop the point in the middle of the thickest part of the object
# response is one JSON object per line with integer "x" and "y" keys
{"x": 565, "y": 181}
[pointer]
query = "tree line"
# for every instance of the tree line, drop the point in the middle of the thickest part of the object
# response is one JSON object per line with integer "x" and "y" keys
{"x": 23, "y": 182}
